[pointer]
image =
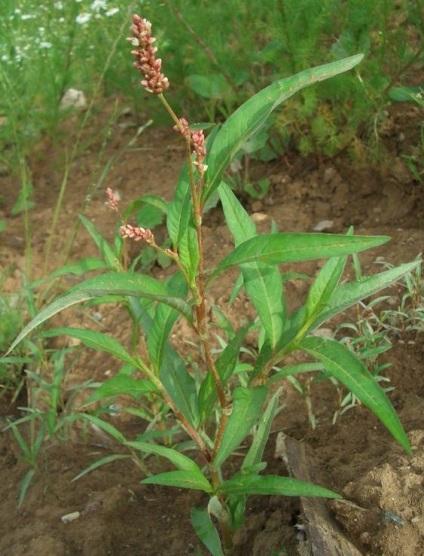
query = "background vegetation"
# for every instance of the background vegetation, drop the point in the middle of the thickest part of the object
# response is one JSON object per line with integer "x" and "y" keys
{"x": 216, "y": 54}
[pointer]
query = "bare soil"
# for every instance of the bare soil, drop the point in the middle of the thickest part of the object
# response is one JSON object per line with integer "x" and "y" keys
{"x": 383, "y": 509}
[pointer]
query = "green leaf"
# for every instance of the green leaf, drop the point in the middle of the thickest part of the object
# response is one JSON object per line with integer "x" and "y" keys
{"x": 263, "y": 283}
{"x": 291, "y": 370}
{"x": 149, "y": 216}
{"x": 252, "y": 115}
{"x": 348, "y": 294}
{"x": 103, "y": 246}
{"x": 180, "y": 386}
{"x": 180, "y": 479}
{"x": 180, "y": 210}
{"x": 14, "y": 360}
{"x": 294, "y": 247}
{"x": 26, "y": 481}
{"x": 236, "y": 511}
{"x": 188, "y": 252}
{"x": 323, "y": 287}
{"x": 122, "y": 384}
{"x": 247, "y": 408}
{"x": 213, "y": 86}
{"x": 272, "y": 484}
{"x": 342, "y": 363}
{"x": 256, "y": 450}
{"x": 238, "y": 221}
{"x": 180, "y": 461}
{"x": 94, "y": 340}
{"x": 99, "y": 463}
{"x": 149, "y": 200}
{"x": 103, "y": 425}
{"x": 406, "y": 94}
{"x": 80, "y": 267}
{"x": 163, "y": 321}
{"x": 115, "y": 283}
{"x": 206, "y": 531}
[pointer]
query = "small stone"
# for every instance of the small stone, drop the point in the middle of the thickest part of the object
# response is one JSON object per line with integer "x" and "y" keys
{"x": 329, "y": 174}
{"x": 73, "y": 98}
{"x": 67, "y": 518}
{"x": 323, "y": 225}
{"x": 259, "y": 217}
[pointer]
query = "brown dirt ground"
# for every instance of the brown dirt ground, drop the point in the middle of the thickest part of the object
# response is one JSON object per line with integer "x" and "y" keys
{"x": 384, "y": 509}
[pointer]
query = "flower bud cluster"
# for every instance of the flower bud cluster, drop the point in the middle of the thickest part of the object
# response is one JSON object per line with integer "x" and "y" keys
{"x": 197, "y": 139}
{"x": 184, "y": 129}
{"x": 137, "y": 233}
{"x": 199, "y": 150}
{"x": 145, "y": 56}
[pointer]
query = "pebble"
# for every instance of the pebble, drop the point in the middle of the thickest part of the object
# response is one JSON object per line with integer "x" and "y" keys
{"x": 73, "y": 98}
{"x": 67, "y": 518}
{"x": 323, "y": 225}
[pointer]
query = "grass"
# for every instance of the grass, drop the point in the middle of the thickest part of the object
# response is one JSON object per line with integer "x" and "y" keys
{"x": 224, "y": 52}
{"x": 395, "y": 317}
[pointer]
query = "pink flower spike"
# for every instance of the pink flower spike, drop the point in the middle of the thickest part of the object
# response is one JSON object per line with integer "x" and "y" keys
{"x": 184, "y": 130}
{"x": 199, "y": 149}
{"x": 112, "y": 199}
{"x": 137, "y": 233}
{"x": 145, "y": 60}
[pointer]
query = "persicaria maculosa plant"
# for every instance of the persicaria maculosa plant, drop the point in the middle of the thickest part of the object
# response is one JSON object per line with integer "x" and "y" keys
{"x": 220, "y": 408}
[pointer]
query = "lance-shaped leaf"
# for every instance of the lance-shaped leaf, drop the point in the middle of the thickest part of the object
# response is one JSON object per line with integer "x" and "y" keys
{"x": 180, "y": 461}
{"x": 99, "y": 463}
{"x": 115, "y": 283}
{"x": 181, "y": 479}
{"x": 206, "y": 531}
{"x": 103, "y": 246}
{"x": 295, "y": 247}
{"x": 319, "y": 295}
{"x": 271, "y": 484}
{"x": 180, "y": 211}
{"x": 247, "y": 408}
{"x": 103, "y": 425}
{"x": 120, "y": 385}
{"x": 348, "y": 294}
{"x": 150, "y": 200}
{"x": 188, "y": 253}
{"x": 80, "y": 267}
{"x": 323, "y": 287}
{"x": 343, "y": 365}
{"x": 252, "y": 115}
{"x": 180, "y": 386}
{"x": 263, "y": 283}
{"x": 256, "y": 450}
{"x": 163, "y": 321}
{"x": 94, "y": 340}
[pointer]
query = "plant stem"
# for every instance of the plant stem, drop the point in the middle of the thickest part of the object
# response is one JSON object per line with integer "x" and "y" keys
{"x": 226, "y": 531}
{"x": 199, "y": 290}
{"x": 220, "y": 432}
{"x": 192, "y": 432}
